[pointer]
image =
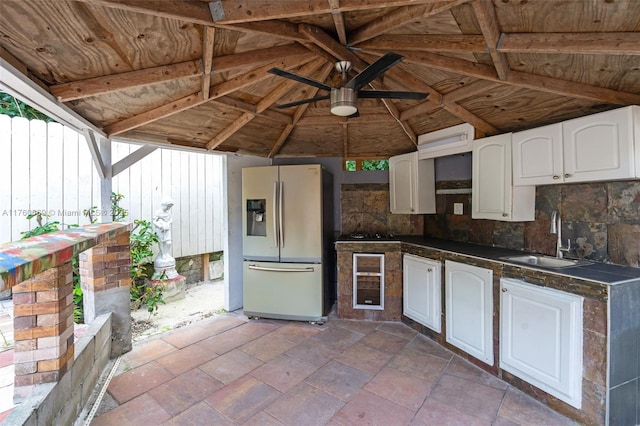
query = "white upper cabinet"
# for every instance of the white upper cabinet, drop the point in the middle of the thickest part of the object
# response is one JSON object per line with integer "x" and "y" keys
{"x": 592, "y": 148}
{"x": 412, "y": 185}
{"x": 493, "y": 194}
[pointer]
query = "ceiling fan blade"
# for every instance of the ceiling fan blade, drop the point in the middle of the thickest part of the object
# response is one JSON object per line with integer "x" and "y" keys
{"x": 304, "y": 101}
{"x": 299, "y": 78}
{"x": 374, "y": 70}
{"x": 391, "y": 94}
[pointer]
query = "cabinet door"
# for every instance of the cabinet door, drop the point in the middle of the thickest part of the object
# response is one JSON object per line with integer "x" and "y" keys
{"x": 422, "y": 291}
{"x": 537, "y": 156}
{"x": 469, "y": 309}
{"x": 402, "y": 169}
{"x": 541, "y": 338}
{"x": 599, "y": 146}
{"x": 491, "y": 183}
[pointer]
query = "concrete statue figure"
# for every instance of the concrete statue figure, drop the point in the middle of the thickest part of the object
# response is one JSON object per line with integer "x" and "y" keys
{"x": 164, "y": 264}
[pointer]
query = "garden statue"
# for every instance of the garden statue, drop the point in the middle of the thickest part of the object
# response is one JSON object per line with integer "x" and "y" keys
{"x": 165, "y": 264}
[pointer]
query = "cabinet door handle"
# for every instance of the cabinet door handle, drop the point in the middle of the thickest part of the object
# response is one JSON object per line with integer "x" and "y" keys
{"x": 567, "y": 175}
{"x": 429, "y": 270}
{"x": 505, "y": 214}
{"x": 504, "y": 290}
{"x": 556, "y": 177}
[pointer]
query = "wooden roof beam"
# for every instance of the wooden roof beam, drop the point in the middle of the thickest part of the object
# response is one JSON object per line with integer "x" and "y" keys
{"x": 398, "y": 18}
{"x": 208, "y": 37}
{"x": 318, "y": 120}
{"x": 488, "y": 21}
{"x": 230, "y": 130}
{"x": 258, "y": 10}
{"x": 189, "y": 11}
{"x": 243, "y": 106}
{"x": 573, "y": 43}
{"x": 193, "y": 100}
{"x": 451, "y": 43}
{"x": 520, "y": 79}
{"x": 277, "y": 146}
{"x": 338, "y": 20}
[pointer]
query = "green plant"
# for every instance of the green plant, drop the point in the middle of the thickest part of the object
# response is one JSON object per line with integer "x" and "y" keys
{"x": 153, "y": 297}
{"x": 117, "y": 213}
{"x": 15, "y": 108}
{"x": 41, "y": 228}
{"x": 91, "y": 213}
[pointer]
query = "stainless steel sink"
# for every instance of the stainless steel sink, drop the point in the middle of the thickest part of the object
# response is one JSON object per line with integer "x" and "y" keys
{"x": 545, "y": 261}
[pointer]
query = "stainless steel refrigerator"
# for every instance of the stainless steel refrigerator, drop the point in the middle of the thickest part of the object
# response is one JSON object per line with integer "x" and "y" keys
{"x": 287, "y": 242}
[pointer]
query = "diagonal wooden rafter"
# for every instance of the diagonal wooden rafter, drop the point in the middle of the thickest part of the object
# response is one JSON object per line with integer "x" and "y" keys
{"x": 448, "y": 43}
{"x": 521, "y": 79}
{"x": 261, "y": 106}
{"x": 243, "y": 106}
{"x": 573, "y": 43}
{"x": 193, "y": 100}
{"x": 207, "y": 59}
{"x": 282, "y": 139}
{"x": 488, "y": 21}
{"x": 399, "y": 17}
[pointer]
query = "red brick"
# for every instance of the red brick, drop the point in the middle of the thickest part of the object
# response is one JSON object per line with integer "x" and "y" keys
{"x": 24, "y": 368}
{"x": 23, "y": 323}
{"x": 36, "y": 332}
{"x": 37, "y": 378}
{"x": 24, "y": 298}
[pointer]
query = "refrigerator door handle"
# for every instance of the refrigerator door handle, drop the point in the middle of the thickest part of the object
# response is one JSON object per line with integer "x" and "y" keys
{"x": 281, "y": 214}
{"x": 276, "y": 229}
{"x": 266, "y": 268}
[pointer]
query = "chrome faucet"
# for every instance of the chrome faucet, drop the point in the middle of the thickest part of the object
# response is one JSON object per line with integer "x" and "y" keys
{"x": 556, "y": 228}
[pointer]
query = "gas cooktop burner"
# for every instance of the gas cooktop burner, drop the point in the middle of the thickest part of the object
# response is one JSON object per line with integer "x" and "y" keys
{"x": 368, "y": 236}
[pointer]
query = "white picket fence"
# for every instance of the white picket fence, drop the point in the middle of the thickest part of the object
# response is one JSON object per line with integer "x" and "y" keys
{"x": 48, "y": 167}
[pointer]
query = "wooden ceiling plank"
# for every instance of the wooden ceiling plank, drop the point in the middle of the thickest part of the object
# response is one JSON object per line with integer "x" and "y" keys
{"x": 520, "y": 79}
{"x": 256, "y": 57}
{"x": 398, "y": 18}
{"x": 425, "y": 108}
{"x": 230, "y": 130}
{"x": 626, "y": 43}
{"x": 194, "y": 100}
{"x": 468, "y": 90}
{"x": 276, "y": 28}
{"x": 66, "y": 92}
{"x": 330, "y": 45}
{"x": 258, "y": 10}
{"x": 189, "y": 11}
{"x": 287, "y": 85}
{"x": 243, "y": 106}
{"x": 282, "y": 139}
{"x": 207, "y": 59}
{"x": 488, "y": 21}
{"x": 448, "y": 43}
{"x": 471, "y": 118}
{"x": 345, "y": 140}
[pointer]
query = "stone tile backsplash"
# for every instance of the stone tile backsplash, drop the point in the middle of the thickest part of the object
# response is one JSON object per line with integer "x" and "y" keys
{"x": 602, "y": 219}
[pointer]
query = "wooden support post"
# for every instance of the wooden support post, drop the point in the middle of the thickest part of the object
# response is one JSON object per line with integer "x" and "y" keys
{"x": 205, "y": 267}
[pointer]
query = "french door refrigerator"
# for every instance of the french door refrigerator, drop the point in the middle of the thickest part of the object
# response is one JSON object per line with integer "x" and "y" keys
{"x": 286, "y": 241}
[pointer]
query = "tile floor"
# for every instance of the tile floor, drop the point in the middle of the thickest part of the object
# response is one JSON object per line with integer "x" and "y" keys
{"x": 227, "y": 370}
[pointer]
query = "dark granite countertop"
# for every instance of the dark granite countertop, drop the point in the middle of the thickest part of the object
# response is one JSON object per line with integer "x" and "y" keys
{"x": 600, "y": 272}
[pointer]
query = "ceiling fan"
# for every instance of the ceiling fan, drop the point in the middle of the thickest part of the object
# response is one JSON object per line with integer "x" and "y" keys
{"x": 344, "y": 98}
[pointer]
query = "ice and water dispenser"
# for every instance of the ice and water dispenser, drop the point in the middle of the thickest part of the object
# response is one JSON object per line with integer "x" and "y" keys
{"x": 256, "y": 217}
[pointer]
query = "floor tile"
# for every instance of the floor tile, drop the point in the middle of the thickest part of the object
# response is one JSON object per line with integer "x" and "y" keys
{"x": 225, "y": 342}
{"x": 469, "y": 397}
{"x": 284, "y": 372}
{"x": 6, "y": 357}
{"x": 339, "y": 380}
{"x": 384, "y": 341}
{"x": 313, "y": 352}
{"x": 262, "y": 419}
{"x": 178, "y": 394}
{"x": 219, "y": 323}
{"x": 337, "y": 337}
{"x": 364, "y": 357}
{"x": 462, "y": 368}
{"x": 267, "y": 347}
{"x": 231, "y": 366}
{"x": 135, "y": 382}
{"x": 520, "y": 408}
{"x": 243, "y": 398}
{"x": 425, "y": 345}
{"x": 398, "y": 329}
{"x": 401, "y": 388}
{"x": 198, "y": 415}
{"x": 148, "y": 351}
{"x": 186, "y": 336}
{"x": 297, "y": 332}
{"x": 422, "y": 366}
{"x": 362, "y": 327}
{"x": 501, "y": 421}
{"x": 186, "y": 359}
{"x": 437, "y": 413}
{"x": 368, "y": 409}
{"x": 255, "y": 329}
{"x": 143, "y": 410}
{"x": 305, "y": 405}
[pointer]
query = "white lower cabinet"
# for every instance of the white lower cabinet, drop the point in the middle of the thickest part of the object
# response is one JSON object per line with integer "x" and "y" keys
{"x": 541, "y": 338}
{"x": 469, "y": 309}
{"x": 421, "y": 295}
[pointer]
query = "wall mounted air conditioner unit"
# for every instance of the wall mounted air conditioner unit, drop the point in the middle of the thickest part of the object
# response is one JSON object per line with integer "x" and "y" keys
{"x": 449, "y": 141}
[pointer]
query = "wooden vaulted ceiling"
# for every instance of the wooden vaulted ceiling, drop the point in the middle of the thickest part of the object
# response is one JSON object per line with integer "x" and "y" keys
{"x": 184, "y": 73}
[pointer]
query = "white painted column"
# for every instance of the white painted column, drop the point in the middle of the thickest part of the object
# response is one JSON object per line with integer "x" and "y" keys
{"x": 106, "y": 183}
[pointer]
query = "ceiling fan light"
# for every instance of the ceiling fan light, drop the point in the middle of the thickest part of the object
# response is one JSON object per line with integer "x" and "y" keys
{"x": 343, "y": 102}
